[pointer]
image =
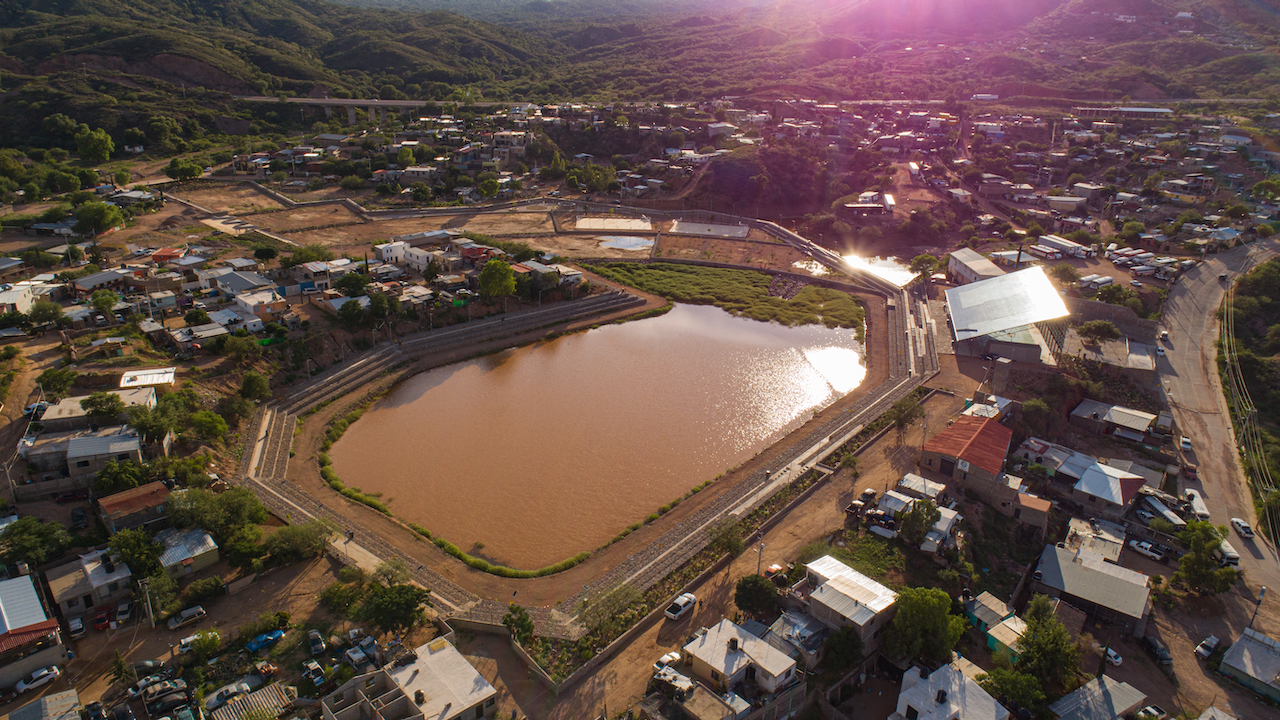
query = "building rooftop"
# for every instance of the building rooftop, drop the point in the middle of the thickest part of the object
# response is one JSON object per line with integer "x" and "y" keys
{"x": 1256, "y": 656}
{"x": 445, "y": 678}
{"x": 988, "y": 608}
{"x": 1135, "y": 420}
{"x": 123, "y": 441}
{"x": 849, "y": 592}
{"x": 978, "y": 441}
{"x": 974, "y": 260}
{"x": 181, "y": 547}
{"x": 268, "y": 701}
{"x": 946, "y": 694}
{"x": 1110, "y": 483}
{"x": 1004, "y": 303}
{"x": 63, "y": 705}
{"x": 1102, "y": 698}
{"x": 69, "y": 408}
{"x": 20, "y": 606}
{"x": 920, "y": 486}
{"x": 1088, "y": 576}
{"x": 1009, "y": 631}
{"x": 132, "y": 500}
{"x": 150, "y": 377}
{"x": 711, "y": 646}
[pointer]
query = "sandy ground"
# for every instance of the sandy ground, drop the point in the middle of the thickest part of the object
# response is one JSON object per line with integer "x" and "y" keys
{"x": 753, "y": 253}
{"x": 305, "y": 217}
{"x": 229, "y": 198}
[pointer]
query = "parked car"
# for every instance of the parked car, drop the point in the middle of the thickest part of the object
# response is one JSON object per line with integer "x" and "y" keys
{"x": 1160, "y": 351}
{"x": 1242, "y": 528}
{"x": 355, "y": 658}
{"x": 1145, "y": 547}
{"x": 1164, "y": 335}
{"x": 670, "y": 658}
{"x": 1136, "y": 283}
{"x": 316, "y": 642}
{"x": 79, "y": 518}
{"x": 102, "y": 620}
{"x": 1145, "y": 516}
{"x": 1185, "y": 442}
{"x": 184, "y": 645}
{"x": 160, "y": 689}
{"x": 312, "y": 671}
{"x": 136, "y": 689}
{"x": 165, "y": 703}
{"x": 1113, "y": 657}
{"x": 123, "y": 712}
{"x": 75, "y": 627}
{"x": 1191, "y": 472}
{"x": 43, "y": 676}
{"x": 1154, "y": 712}
{"x": 1158, "y": 650}
{"x": 94, "y": 711}
{"x": 1207, "y": 646}
{"x": 265, "y": 640}
{"x": 35, "y": 410}
{"x": 70, "y": 497}
{"x": 190, "y": 616}
{"x": 680, "y": 606}
{"x": 148, "y": 667}
{"x": 225, "y": 694}
{"x": 124, "y": 611}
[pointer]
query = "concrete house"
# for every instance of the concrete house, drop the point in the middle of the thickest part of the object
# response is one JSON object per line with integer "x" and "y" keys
{"x": 186, "y": 552}
{"x": 1113, "y": 420}
{"x": 945, "y": 694}
{"x": 439, "y": 684}
{"x": 971, "y": 452}
{"x": 18, "y": 300}
{"x": 1101, "y": 589}
{"x": 1106, "y": 491}
{"x": 966, "y": 266}
{"x": 91, "y": 581}
{"x": 1003, "y": 638}
{"x": 1254, "y": 662}
{"x": 725, "y": 654}
{"x": 69, "y": 415}
{"x": 1102, "y": 698}
{"x": 140, "y": 507}
{"x": 266, "y": 305}
{"x": 29, "y": 638}
{"x": 986, "y": 611}
{"x": 840, "y": 596}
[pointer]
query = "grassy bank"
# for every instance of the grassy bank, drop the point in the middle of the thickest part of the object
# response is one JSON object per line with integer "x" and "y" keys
{"x": 740, "y": 292}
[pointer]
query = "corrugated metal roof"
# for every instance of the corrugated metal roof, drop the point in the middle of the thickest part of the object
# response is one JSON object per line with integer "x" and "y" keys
{"x": 1135, "y": 420}
{"x": 1110, "y": 483}
{"x": 134, "y": 499}
{"x": 989, "y": 609}
{"x": 1087, "y": 576}
{"x": 180, "y": 546}
{"x": 921, "y": 486}
{"x": 270, "y": 699}
{"x": 978, "y": 441}
{"x": 96, "y": 446}
{"x": 63, "y": 705}
{"x": 1102, "y": 698}
{"x": 1009, "y": 631}
{"x": 148, "y": 377}
{"x": 20, "y": 606}
{"x": 712, "y": 648}
{"x": 1004, "y": 303}
{"x": 1255, "y": 655}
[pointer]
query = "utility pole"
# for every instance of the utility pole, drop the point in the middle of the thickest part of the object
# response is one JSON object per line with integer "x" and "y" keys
{"x": 1261, "y": 594}
{"x": 759, "y": 556}
{"x": 146, "y": 588}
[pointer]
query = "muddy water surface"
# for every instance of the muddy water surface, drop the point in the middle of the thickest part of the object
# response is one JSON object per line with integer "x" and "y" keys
{"x": 544, "y": 451}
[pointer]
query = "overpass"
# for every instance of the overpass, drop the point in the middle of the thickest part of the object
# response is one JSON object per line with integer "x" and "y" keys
{"x": 375, "y": 108}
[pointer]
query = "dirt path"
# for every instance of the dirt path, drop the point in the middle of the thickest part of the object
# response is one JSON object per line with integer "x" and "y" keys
{"x": 554, "y": 589}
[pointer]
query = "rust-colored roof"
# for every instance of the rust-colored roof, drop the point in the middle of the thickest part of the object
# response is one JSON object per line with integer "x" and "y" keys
{"x": 24, "y": 635}
{"x": 134, "y": 499}
{"x": 1034, "y": 503}
{"x": 979, "y": 441}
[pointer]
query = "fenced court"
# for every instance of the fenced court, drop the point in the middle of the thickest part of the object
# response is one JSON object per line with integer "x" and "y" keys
{"x": 682, "y": 227}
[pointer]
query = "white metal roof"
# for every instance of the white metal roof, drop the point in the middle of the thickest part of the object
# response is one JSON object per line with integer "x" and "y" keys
{"x": 1114, "y": 414}
{"x": 180, "y": 546}
{"x": 712, "y": 647}
{"x": 1004, "y": 303}
{"x": 853, "y": 590}
{"x": 1103, "y": 481}
{"x": 19, "y": 604}
{"x": 1088, "y": 576}
{"x": 98, "y": 445}
{"x": 945, "y": 694}
{"x": 148, "y": 377}
{"x": 921, "y": 486}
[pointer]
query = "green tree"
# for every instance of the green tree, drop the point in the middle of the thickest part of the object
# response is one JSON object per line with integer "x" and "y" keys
{"x": 1237, "y": 211}
{"x": 121, "y": 178}
{"x": 121, "y": 672}
{"x": 57, "y": 382}
{"x": 103, "y": 301}
{"x": 904, "y": 412}
{"x": 221, "y": 515}
{"x": 265, "y": 254}
{"x": 97, "y": 217}
{"x": 1036, "y": 415}
{"x": 294, "y": 543}
{"x": 103, "y": 404}
{"x": 1199, "y": 568}
{"x": 1064, "y": 273}
{"x": 196, "y": 316}
{"x": 351, "y": 315}
{"x": 94, "y": 146}
{"x": 117, "y": 476}
{"x": 351, "y": 183}
{"x": 353, "y": 284}
{"x": 925, "y": 265}
{"x": 918, "y": 521}
{"x": 183, "y": 169}
{"x": 136, "y": 549}
{"x": 842, "y": 650}
{"x": 755, "y": 595}
{"x": 46, "y": 311}
{"x": 379, "y": 306}
{"x": 924, "y": 626}
{"x": 1096, "y": 330}
{"x": 242, "y": 350}
{"x": 497, "y": 279}
{"x": 254, "y": 386}
{"x": 519, "y": 624}
{"x": 1045, "y": 650}
{"x": 208, "y": 425}
{"x": 396, "y": 608}
{"x": 726, "y": 536}
{"x": 488, "y": 188}
{"x": 33, "y": 541}
{"x": 1016, "y": 687}
{"x": 206, "y": 645}
{"x": 404, "y": 158}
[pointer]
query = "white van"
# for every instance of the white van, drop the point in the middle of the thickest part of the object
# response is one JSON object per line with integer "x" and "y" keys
{"x": 1227, "y": 555}
{"x": 1198, "y": 508}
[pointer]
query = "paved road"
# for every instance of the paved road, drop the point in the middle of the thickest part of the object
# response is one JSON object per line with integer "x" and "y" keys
{"x": 1189, "y": 373}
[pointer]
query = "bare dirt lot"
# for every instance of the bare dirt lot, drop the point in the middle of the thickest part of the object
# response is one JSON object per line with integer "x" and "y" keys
{"x": 507, "y": 223}
{"x": 754, "y": 253}
{"x": 306, "y": 217}
{"x": 229, "y": 198}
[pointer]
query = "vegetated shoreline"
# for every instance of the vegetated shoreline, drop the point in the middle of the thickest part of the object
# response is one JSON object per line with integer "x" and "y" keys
{"x": 847, "y": 312}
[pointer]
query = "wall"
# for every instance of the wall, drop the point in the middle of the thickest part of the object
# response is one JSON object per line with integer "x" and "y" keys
{"x": 14, "y": 670}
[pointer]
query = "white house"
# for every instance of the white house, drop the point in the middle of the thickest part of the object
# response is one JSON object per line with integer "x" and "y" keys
{"x": 392, "y": 252}
{"x": 19, "y": 299}
{"x": 946, "y": 694}
{"x": 264, "y": 304}
{"x": 725, "y": 654}
{"x": 840, "y": 596}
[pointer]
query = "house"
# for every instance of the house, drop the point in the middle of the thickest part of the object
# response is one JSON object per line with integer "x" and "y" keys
{"x": 392, "y": 252}
{"x": 237, "y": 319}
{"x": 267, "y": 701}
{"x": 841, "y": 596}
{"x": 237, "y": 282}
{"x": 967, "y": 266}
{"x": 971, "y": 451}
{"x": 88, "y": 454}
{"x": 63, "y": 705}
{"x": 266, "y": 305}
{"x": 139, "y": 507}
{"x": 91, "y": 581}
{"x": 18, "y": 300}
{"x": 1103, "y": 590}
{"x": 195, "y": 336}
{"x": 1096, "y": 536}
{"x": 913, "y": 485}
{"x": 67, "y": 459}
{"x": 1254, "y": 662}
{"x": 186, "y": 552}
{"x": 29, "y": 638}
{"x": 1106, "y": 491}
{"x": 105, "y": 280}
{"x": 1003, "y": 638}
{"x": 946, "y": 694}
{"x": 724, "y": 655}
{"x": 799, "y": 635}
{"x": 151, "y": 377}
{"x": 439, "y": 684}
{"x": 895, "y": 503}
{"x": 1102, "y": 698}
{"x": 69, "y": 415}
{"x": 986, "y": 611}
{"x": 942, "y": 536}
{"x": 1113, "y": 420}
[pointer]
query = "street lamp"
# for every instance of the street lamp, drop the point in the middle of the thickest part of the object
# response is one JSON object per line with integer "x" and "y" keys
{"x": 1261, "y": 594}
{"x": 759, "y": 556}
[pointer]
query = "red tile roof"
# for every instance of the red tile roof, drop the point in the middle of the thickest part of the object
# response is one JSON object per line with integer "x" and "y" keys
{"x": 134, "y": 499}
{"x": 1129, "y": 488}
{"x": 22, "y": 636}
{"x": 979, "y": 441}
